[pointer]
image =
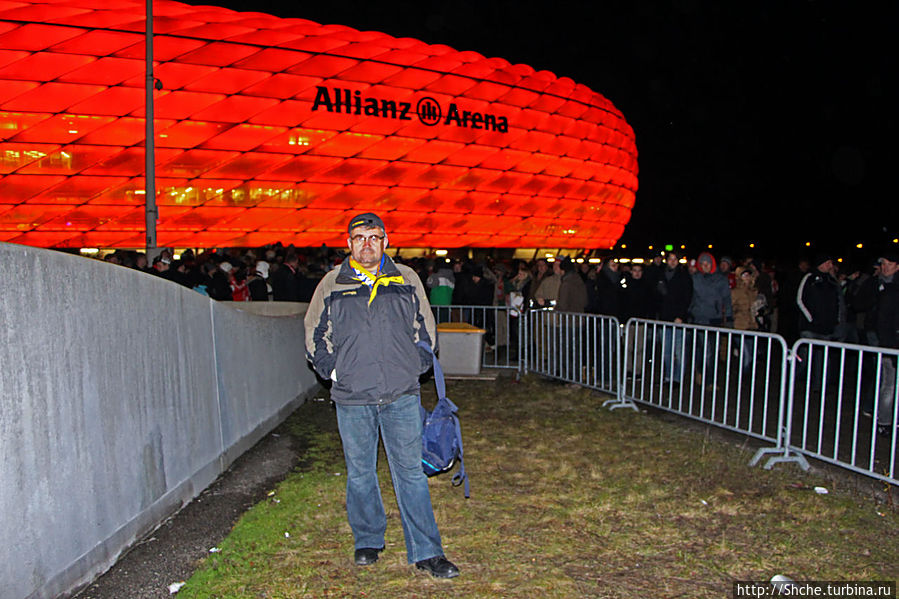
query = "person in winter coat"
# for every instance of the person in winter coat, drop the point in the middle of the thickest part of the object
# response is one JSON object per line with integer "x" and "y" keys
{"x": 258, "y": 282}
{"x": 887, "y": 323}
{"x": 572, "y": 291}
{"x": 286, "y": 281}
{"x": 711, "y": 306}
{"x": 744, "y": 299}
{"x": 547, "y": 290}
{"x": 747, "y": 305}
{"x": 674, "y": 292}
{"x": 363, "y": 327}
{"x": 822, "y": 315}
{"x": 441, "y": 283}
{"x": 240, "y": 290}
{"x": 821, "y": 302}
{"x": 637, "y": 302}
{"x": 608, "y": 289}
{"x": 726, "y": 267}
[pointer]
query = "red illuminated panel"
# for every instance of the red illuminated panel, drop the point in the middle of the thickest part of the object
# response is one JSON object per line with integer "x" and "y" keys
{"x": 273, "y": 129}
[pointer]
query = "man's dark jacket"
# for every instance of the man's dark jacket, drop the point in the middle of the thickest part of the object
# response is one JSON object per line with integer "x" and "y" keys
{"x": 674, "y": 293}
{"x": 819, "y": 297}
{"x": 369, "y": 343}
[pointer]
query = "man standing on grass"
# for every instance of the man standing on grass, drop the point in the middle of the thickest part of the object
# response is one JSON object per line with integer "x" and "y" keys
{"x": 362, "y": 327}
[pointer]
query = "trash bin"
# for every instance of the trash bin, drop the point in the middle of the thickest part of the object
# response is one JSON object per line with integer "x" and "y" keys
{"x": 460, "y": 347}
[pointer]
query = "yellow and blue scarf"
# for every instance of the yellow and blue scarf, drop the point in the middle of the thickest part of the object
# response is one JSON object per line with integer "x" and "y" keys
{"x": 373, "y": 281}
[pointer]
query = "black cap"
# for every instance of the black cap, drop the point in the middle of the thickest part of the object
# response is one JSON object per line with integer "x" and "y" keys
{"x": 368, "y": 219}
{"x": 822, "y": 258}
{"x": 890, "y": 255}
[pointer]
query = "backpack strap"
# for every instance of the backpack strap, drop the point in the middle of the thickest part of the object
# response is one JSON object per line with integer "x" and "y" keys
{"x": 461, "y": 476}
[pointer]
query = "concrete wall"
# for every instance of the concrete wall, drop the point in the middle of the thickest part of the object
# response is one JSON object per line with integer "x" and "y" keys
{"x": 122, "y": 396}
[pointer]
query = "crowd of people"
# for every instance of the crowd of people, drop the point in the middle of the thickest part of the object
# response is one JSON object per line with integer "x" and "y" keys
{"x": 818, "y": 298}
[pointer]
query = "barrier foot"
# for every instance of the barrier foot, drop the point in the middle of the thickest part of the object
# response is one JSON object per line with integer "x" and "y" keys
{"x": 785, "y": 457}
{"x": 614, "y": 404}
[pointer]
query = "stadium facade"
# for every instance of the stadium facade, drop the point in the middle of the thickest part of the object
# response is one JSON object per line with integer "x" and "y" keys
{"x": 270, "y": 129}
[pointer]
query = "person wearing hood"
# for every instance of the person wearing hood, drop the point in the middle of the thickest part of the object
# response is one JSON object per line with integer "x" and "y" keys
{"x": 260, "y": 290}
{"x": 711, "y": 306}
{"x": 441, "y": 283}
{"x": 219, "y": 287}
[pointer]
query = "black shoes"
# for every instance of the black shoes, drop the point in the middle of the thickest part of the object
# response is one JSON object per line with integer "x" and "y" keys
{"x": 438, "y": 567}
{"x": 366, "y": 556}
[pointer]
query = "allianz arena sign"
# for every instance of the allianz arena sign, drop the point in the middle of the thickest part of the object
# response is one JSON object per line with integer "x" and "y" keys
{"x": 271, "y": 129}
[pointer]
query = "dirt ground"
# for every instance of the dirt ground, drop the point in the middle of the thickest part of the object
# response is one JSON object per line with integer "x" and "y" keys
{"x": 171, "y": 553}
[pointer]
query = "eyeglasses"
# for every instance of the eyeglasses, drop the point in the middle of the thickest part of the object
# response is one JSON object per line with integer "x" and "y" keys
{"x": 360, "y": 239}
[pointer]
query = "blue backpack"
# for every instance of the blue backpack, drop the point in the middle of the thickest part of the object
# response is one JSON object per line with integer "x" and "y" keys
{"x": 441, "y": 435}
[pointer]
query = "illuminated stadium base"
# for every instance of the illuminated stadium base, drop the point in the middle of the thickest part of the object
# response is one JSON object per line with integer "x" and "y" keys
{"x": 271, "y": 129}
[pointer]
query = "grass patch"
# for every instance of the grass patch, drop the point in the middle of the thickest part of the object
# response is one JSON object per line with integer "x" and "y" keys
{"x": 568, "y": 500}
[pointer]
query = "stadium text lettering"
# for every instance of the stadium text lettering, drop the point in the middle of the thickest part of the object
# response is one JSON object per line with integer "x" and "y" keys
{"x": 429, "y": 112}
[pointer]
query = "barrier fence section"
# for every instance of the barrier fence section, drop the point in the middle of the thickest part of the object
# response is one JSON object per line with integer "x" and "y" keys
{"x": 843, "y": 406}
{"x": 832, "y": 401}
{"x": 502, "y": 346}
{"x": 573, "y": 347}
{"x": 729, "y": 378}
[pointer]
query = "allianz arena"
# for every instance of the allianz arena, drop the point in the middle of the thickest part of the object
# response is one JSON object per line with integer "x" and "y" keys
{"x": 270, "y": 129}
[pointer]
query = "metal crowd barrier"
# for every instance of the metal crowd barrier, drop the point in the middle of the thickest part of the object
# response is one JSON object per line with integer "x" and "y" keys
{"x": 729, "y": 378}
{"x": 842, "y": 407}
{"x": 832, "y": 401}
{"x": 503, "y": 340}
{"x": 573, "y": 347}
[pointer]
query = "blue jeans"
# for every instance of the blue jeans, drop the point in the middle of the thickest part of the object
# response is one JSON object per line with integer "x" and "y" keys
{"x": 399, "y": 424}
{"x": 674, "y": 345}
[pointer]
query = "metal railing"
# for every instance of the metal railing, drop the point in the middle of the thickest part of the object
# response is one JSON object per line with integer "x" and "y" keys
{"x": 503, "y": 339}
{"x": 729, "y": 378}
{"x": 842, "y": 407}
{"x": 573, "y": 347}
{"x": 835, "y": 402}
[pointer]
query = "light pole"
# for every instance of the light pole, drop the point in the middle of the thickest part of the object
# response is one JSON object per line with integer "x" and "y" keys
{"x": 151, "y": 211}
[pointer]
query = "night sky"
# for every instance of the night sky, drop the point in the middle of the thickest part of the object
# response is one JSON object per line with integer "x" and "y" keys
{"x": 772, "y": 122}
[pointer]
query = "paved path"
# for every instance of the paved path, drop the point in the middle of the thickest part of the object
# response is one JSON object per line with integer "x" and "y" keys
{"x": 170, "y": 554}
